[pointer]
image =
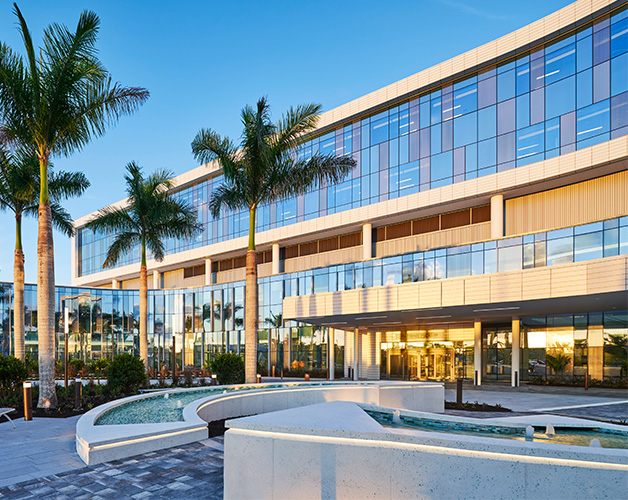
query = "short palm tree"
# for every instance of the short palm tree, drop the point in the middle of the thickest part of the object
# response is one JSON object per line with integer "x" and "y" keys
{"x": 263, "y": 168}
{"x": 558, "y": 363}
{"x": 53, "y": 102}
{"x": 151, "y": 215}
{"x": 19, "y": 193}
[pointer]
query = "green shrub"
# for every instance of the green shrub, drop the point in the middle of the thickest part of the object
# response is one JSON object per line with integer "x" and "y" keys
{"x": 229, "y": 368}
{"x": 75, "y": 367}
{"x": 12, "y": 373}
{"x": 98, "y": 367}
{"x": 126, "y": 373}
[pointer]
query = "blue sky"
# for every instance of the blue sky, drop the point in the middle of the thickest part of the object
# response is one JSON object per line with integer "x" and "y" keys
{"x": 202, "y": 61}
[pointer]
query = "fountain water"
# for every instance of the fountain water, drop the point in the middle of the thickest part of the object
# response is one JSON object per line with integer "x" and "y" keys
{"x": 396, "y": 418}
{"x": 166, "y": 396}
{"x": 529, "y": 431}
{"x": 549, "y": 429}
{"x": 595, "y": 443}
{"x": 179, "y": 404}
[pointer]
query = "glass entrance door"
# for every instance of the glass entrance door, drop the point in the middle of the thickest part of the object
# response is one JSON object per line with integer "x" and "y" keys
{"x": 497, "y": 352}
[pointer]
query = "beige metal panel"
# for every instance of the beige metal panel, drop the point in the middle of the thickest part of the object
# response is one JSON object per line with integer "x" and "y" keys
{"x": 596, "y": 199}
{"x": 535, "y": 283}
{"x": 387, "y": 298}
{"x": 343, "y": 256}
{"x": 369, "y": 299}
{"x": 231, "y": 275}
{"x": 568, "y": 280}
{"x": 607, "y": 275}
{"x": 453, "y": 292}
{"x": 447, "y": 237}
{"x": 506, "y": 287}
{"x": 477, "y": 289}
{"x": 408, "y": 296}
{"x": 430, "y": 294}
{"x": 336, "y": 298}
{"x": 264, "y": 270}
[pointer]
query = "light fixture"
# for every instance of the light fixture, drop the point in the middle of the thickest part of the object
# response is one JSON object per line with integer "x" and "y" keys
{"x": 496, "y": 309}
{"x": 371, "y": 317}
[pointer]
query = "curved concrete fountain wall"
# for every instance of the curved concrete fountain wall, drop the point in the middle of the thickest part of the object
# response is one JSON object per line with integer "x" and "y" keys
{"x": 335, "y": 450}
{"x": 102, "y": 443}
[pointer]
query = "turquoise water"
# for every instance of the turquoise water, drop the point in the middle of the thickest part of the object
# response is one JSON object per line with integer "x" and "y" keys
{"x": 159, "y": 409}
{"x": 574, "y": 437}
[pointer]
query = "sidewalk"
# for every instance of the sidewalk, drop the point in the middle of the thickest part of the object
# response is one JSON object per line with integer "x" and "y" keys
{"x": 38, "y": 448}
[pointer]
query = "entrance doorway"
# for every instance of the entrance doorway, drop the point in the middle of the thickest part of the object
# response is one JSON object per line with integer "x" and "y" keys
{"x": 497, "y": 352}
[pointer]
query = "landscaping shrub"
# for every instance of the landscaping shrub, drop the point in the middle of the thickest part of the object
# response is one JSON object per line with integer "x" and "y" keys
{"x": 229, "y": 368}
{"x": 126, "y": 373}
{"x": 98, "y": 367}
{"x": 76, "y": 366}
{"x": 12, "y": 373}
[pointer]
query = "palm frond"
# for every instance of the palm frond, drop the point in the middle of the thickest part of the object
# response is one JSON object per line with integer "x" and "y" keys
{"x": 63, "y": 185}
{"x": 122, "y": 244}
{"x": 112, "y": 220}
{"x": 228, "y": 196}
{"x": 294, "y": 124}
{"x": 208, "y": 146}
{"x": 61, "y": 219}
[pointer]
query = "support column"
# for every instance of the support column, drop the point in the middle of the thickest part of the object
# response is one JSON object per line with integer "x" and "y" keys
{"x": 156, "y": 279}
{"x": 114, "y": 284}
{"x": 477, "y": 352}
{"x": 367, "y": 242}
{"x": 331, "y": 353}
{"x": 515, "y": 359}
{"x": 497, "y": 216}
{"x": 356, "y": 348}
{"x": 276, "y": 268}
{"x": 208, "y": 272}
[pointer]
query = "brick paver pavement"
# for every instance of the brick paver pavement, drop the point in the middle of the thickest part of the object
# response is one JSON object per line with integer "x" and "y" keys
{"x": 193, "y": 471}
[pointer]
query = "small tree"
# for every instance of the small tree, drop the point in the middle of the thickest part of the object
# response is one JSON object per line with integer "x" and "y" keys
{"x": 228, "y": 368}
{"x": 126, "y": 373}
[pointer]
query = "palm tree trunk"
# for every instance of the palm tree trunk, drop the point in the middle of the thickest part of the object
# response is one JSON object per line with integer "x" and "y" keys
{"x": 46, "y": 308}
{"x": 18, "y": 291}
{"x": 143, "y": 308}
{"x": 251, "y": 313}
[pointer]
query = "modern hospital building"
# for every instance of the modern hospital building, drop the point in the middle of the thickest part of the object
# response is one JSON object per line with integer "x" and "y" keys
{"x": 484, "y": 227}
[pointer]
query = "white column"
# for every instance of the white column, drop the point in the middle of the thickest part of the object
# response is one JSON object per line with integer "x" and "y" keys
{"x": 477, "y": 352}
{"x": 208, "y": 271}
{"x": 367, "y": 242}
{"x": 356, "y": 346}
{"x": 497, "y": 216}
{"x": 275, "y": 268}
{"x": 156, "y": 280}
{"x": 114, "y": 284}
{"x": 331, "y": 354}
{"x": 515, "y": 377}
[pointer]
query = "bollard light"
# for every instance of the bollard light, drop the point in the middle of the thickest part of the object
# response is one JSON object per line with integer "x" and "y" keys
{"x": 214, "y": 379}
{"x": 307, "y": 377}
{"x": 259, "y": 378}
{"x": 28, "y": 404}
{"x": 78, "y": 389}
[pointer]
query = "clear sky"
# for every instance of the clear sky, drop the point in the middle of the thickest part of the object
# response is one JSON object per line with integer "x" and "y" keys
{"x": 202, "y": 61}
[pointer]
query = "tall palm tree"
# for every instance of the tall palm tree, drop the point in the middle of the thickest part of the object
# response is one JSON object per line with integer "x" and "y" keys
{"x": 263, "y": 168}
{"x": 53, "y": 102}
{"x": 19, "y": 193}
{"x": 151, "y": 215}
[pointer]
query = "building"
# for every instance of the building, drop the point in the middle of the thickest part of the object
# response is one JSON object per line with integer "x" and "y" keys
{"x": 483, "y": 231}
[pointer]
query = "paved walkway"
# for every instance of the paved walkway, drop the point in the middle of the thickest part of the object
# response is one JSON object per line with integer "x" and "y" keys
{"x": 193, "y": 471}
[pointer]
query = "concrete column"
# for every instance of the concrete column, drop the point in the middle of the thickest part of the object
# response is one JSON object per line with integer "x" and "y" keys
{"x": 356, "y": 348}
{"x": 497, "y": 216}
{"x": 516, "y": 352}
{"x": 331, "y": 354}
{"x": 276, "y": 268}
{"x": 208, "y": 272}
{"x": 477, "y": 352}
{"x": 367, "y": 242}
{"x": 114, "y": 284}
{"x": 156, "y": 279}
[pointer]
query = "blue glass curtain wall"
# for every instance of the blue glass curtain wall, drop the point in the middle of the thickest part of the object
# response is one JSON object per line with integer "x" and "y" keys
{"x": 566, "y": 95}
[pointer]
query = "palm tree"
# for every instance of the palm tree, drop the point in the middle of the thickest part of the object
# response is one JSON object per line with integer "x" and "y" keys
{"x": 53, "y": 102}
{"x": 263, "y": 168}
{"x": 19, "y": 190}
{"x": 558, "y": 363}
{"x": 151, "y": 215}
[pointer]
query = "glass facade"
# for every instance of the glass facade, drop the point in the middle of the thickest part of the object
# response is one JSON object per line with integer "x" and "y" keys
{"x": 186, "y": 327}
{"x": 568, "y": 94}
